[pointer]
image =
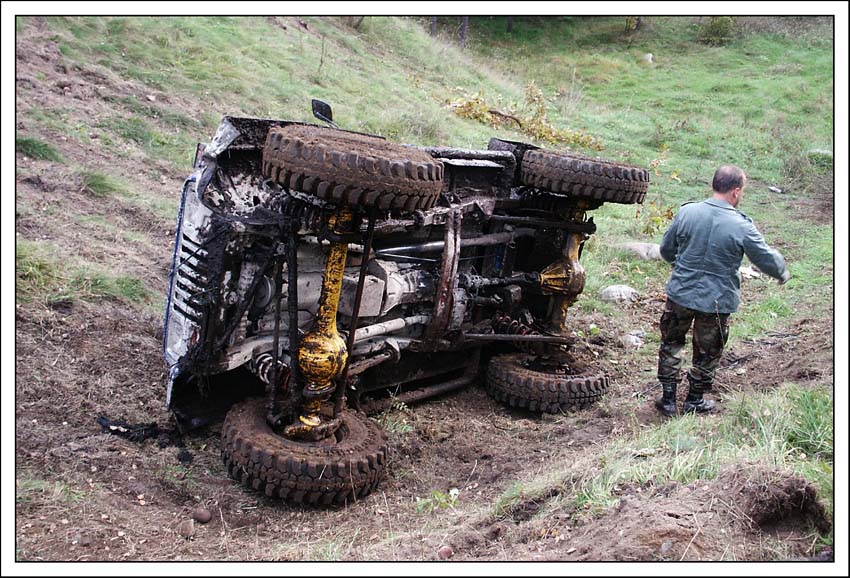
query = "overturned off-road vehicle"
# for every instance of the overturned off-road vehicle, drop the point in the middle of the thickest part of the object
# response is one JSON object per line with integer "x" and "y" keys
{"x": 320, "y": 275}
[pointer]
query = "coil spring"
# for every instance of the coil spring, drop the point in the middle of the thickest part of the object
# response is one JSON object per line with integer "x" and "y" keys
{"x": 506, "y": 325}
{"x": 263, "y": 367}
{"x": 308, "y": 215}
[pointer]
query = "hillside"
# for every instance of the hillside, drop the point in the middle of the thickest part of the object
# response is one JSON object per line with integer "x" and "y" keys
{"x": 109, "y": 111}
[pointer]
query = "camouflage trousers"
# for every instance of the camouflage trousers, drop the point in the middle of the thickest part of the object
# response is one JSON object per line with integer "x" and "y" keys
{"x": 710, "y": 333}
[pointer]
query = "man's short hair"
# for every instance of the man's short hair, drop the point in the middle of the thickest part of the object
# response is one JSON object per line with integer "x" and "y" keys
{"x": 728, "y": 177}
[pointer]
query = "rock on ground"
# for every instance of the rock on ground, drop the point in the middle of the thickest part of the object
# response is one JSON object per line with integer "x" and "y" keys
{"x": 619, "y": 294}
{"x": 646, "y": 251}
{"x": 749, "y": 273}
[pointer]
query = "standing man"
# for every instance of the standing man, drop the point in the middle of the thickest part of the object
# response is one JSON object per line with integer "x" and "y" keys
{"x": 706, "y": 243}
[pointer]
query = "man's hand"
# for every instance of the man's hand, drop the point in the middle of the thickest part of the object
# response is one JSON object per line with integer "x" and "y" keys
{"x": 786, "y": 275}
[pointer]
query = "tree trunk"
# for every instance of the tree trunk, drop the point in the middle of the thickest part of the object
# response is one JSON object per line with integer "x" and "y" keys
{"x": 359, "y": 22}
{"x": 464, "y": 30}
{"x": 433, "y": 25}
{"x": 510, "y": 24}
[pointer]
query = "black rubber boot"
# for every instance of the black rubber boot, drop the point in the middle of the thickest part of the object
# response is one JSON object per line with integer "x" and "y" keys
{"x": 695, "y": 403}
{"x": 666, "y": 404}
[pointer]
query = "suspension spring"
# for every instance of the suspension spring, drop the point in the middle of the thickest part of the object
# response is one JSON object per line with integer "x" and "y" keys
{"x": 306, "y": 214}
{"x": 507, "y": 325}
{"x": 263, "y": 367}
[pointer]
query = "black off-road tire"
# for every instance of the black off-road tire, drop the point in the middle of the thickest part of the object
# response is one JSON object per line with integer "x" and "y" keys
{"x": 352, "y": 169}
{"x": 328, "y": 472}
{"x": 584, "y": 177}
{"x": 511, "y": 383}
{"x": 562, "y": 206}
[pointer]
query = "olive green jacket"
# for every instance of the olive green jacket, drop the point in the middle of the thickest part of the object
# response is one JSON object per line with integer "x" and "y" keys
{"x": 706, "y": 243}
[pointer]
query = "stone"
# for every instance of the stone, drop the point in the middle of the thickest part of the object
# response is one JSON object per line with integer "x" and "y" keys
{"x": 666, "y": 547}
{"x": 749, "y": 273}
{"x": 201, "y": 515}
{"x": 619, "y": 294}
{"x": 186, "y": 528}
{"x": 646, "y": 251}
{"x": 631, "y": 341}
{"x": 445, "y": 552}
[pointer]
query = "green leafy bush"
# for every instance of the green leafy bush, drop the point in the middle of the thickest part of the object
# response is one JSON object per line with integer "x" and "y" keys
{"x": 719, "y": 30}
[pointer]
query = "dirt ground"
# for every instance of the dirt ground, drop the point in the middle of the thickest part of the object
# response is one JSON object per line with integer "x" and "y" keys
{"x": 85, "y": 495}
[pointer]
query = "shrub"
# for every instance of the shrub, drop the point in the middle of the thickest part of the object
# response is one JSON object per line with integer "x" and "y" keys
{"x": 719, "y": 30}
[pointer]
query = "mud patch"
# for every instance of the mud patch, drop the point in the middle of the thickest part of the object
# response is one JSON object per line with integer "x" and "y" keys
{"x": 816, "y": 201}
{"x": 802, "y": 353}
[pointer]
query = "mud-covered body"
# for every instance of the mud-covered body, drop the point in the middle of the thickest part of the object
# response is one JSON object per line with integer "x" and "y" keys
{"x": 435, "y": 280}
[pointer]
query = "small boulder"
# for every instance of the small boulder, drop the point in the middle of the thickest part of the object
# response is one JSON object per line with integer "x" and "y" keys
{"x": 634, "y": 340}
{"x": 186, "y": 528}
{"x": 201, "y": 515}
{"x": 749, "y": 273}
{"x": 666, "y": 547}
{"x": 619, "y": 294}
{"x": 445, "y": 552}
{"x": 646, "y": 251}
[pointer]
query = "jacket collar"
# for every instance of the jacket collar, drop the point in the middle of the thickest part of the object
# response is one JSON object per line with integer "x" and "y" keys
{"x": 720, "y": 203}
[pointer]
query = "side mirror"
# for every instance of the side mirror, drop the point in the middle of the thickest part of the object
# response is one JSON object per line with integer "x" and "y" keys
{"x": 322, "y": 111}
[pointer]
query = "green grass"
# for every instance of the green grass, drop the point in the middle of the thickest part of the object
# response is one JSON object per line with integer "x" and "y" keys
{"x": 42, "y": 275}
{"x": 37, "y": 149}
{"x": 36, "y": 272}
{"x": 100, "y": 184}
{"x": 38, "y": 491}
{"x": 94, "y": 285}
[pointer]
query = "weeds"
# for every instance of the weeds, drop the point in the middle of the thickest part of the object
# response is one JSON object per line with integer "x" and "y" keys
{"x": 438, "y": 500}
{"x": 811, "y": 429}
{"x": 36, "y": 149}
{"x": 655, "y": 216}
{"x": 718, "y": 30}
{"x": 36, "y": 274}
{"x": 180, "y": 479}
{"x": 94, "y": 285}
{"x": 569, "y": 97}
{"x": 395, "y": 420}
{"x": 100, "y": 184}
{"x": 40, "y": 276}
{"x": 33, "y": 490}
{"x": 532, "y": 119}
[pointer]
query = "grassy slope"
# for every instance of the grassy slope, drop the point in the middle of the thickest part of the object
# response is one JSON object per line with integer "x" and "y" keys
{"x": 759, "y": 102}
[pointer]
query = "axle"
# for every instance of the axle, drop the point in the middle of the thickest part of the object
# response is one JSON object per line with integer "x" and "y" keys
{"x": 323, "y": 353}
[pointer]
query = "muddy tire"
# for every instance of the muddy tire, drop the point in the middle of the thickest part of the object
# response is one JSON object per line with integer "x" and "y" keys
{"x": 351, "y": 169}
{"x": 584, "y": 177}
{"x": 329, "y": 472}
{"x": 511, "y": 383}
